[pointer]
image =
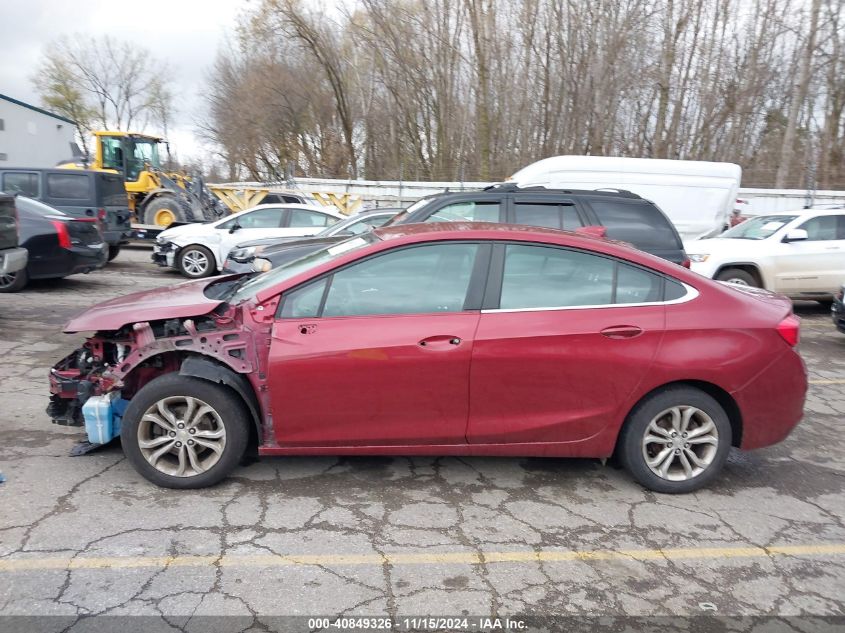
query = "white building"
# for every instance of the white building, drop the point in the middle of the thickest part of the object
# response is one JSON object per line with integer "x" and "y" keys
{"x": 31, "y": 136}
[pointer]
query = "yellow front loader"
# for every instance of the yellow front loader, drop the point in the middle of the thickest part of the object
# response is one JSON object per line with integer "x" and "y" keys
{"x": 156, "y": 197}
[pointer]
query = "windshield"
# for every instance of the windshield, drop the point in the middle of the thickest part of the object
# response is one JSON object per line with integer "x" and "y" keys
{"x": 401, "y": 216}
{"x": 758, "y": 228}
{"x": 254, "y": 285}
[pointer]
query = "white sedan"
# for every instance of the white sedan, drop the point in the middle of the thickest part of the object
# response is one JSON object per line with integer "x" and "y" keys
{"x": 199, "y": 250}
{"x": 800, "y": 254}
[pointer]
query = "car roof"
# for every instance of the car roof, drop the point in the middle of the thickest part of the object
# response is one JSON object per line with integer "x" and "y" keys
{"x": 333, "y": 211}
{"x": 509, "y": 187}
{"x": 810, "y": 211}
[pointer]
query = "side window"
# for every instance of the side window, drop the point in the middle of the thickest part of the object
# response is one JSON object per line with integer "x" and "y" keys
{"x": 304, "y": 302}
{"x": 69, "y": 186}
{"x": 635, "y": 285}
{"x": 418, "y": 280}
{"x": 261, "y": 219}
{"x": 822, "y": 228}
{"x": 467, "y": 212}
{"x": 25, "y": 183}
{"x": 639, "y": 223}
{"x": 548, "y": 277}
{"x": 300, "y": 218}
{"x": 549, "y": 215}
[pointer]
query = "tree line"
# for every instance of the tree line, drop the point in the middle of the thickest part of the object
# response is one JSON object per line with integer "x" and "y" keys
{"x": 474, "y": 89}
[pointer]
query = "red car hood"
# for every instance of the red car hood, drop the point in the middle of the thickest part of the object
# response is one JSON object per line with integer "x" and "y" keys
{"x": 179, "y": 301}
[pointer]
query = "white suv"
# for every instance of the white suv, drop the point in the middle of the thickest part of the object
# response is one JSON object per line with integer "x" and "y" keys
{"x": 800, "y": 254}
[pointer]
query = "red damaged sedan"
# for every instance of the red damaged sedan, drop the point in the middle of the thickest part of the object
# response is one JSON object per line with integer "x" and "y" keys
{"x": 440, "y": 339}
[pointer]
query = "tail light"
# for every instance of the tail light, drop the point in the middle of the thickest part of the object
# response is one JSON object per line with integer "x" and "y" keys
{"x": 101, "y": 215}
{"x": 64, "y": 234}
{"x": 686, "y": 263}
{"x": 790, "y": 330}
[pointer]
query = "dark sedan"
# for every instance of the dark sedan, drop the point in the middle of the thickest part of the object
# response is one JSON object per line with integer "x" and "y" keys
{"x": 59, "y": 245}
{"x": 254, "y": 256}
{"x": 837, "y": 310}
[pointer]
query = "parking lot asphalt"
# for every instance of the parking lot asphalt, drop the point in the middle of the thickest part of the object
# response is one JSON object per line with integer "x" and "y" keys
{"x": 402, "y": 536}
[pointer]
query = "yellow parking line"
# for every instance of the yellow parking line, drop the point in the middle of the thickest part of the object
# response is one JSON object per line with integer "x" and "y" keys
{"x": 832, "y": 381}
{"x": 469, "y": 558}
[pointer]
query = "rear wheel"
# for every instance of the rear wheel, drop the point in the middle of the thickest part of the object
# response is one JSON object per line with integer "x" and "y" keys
{"x": 165, "y": 210}
{"x": 183, "y": 432}
{"x": 196, "y": 262}
{"x": 676, "y": 440}
{"x": 13, "y": 282}
{"x": 114, "y": 251}
{"x": 738, "y": 276}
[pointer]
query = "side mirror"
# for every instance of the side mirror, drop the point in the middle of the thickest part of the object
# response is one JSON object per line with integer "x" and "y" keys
{"x": 796, "y": 235}
{"x": 234, "y": 227}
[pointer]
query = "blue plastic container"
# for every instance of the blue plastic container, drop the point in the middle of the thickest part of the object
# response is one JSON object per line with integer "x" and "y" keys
{"x": 102, "y": 415}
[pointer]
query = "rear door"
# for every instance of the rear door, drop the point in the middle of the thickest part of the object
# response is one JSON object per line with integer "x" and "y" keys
{"x": 564, "y": 339}
{"x": 112, "y": 198}
{"x": 641, "y": 224}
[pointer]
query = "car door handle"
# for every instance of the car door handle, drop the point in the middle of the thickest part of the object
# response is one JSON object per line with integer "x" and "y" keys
{"x": 439, "y": 341}
{"x": 622, "y": 331}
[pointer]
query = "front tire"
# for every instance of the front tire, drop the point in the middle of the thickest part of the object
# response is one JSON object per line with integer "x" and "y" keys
{"x": 14, "y": 282}
{"x": 676, "y": 440}
{"x": 165, "y": 210}
{"x": 196, "y": 262}
{"x": 738, "y": 276}
{"x": 182, "y": 432}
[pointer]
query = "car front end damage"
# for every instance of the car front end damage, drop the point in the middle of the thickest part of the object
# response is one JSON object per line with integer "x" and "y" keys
{"x": 92, "y": 386}
{"x": 164, "y": 253}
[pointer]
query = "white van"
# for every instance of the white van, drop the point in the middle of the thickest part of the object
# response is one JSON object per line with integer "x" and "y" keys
{"x": 697, "y": 196}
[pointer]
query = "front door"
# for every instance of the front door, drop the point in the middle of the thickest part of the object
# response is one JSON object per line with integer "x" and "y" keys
{"x": 815, "y": 265}
{"x": 377, "y": 353}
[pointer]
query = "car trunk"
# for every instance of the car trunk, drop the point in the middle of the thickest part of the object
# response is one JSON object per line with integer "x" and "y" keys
{"x": 8, "y": 224}
{"x": 84, "y": 232}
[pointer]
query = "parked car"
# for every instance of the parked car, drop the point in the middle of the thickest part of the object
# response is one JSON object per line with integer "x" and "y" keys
{"x": 242, "y": 258}
{"x": 697, "y": 196}
{"x": 200, "y": 250}
{"x": 12, "y": 257}
{"x": 59, "y": 245}
{"x": 800, "y": 254}
{"x": 837, "y": 309}
{"x": 626, "y": 216}
{"x": 77, "y": 193}
{"x": 440, "y": 339}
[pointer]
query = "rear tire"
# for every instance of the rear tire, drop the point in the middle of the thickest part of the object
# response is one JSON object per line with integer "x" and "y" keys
{"x": 166, "y": 209}
{"x": 738, "y": 276}
{"x": 676, "y": 440}
{"x": 114, "y": 251}
{"x": 170, "y": 455}
{"x": 196, "y": 262}
{"x": 14, "y": 282}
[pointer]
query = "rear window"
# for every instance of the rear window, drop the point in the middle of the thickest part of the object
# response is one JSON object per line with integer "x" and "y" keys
{"x": 641, "y": 224}
{"x": 69, "y": 186}
{"x": 36, "y": 207}
{"x": 110, "y": 191}
{"x": 25, "y": 183}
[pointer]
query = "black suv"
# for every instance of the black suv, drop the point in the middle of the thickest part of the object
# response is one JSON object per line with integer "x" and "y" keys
{"x": 626, "y": 216}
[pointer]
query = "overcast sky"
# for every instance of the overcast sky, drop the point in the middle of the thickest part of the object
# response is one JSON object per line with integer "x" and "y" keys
{"x": 186, "y": 33}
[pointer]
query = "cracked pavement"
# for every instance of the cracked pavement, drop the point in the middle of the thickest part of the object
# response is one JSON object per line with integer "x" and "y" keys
{"x": 402, "y": 536}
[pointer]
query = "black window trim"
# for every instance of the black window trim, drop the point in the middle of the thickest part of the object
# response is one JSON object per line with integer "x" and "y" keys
{"x": 493, "y": 295}
{"x": 472, "y": 300}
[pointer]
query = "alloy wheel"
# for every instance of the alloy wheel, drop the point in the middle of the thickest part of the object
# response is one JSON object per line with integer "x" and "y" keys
{"x": 737, "y": 281}
{"x": 680, "y": 443}
{"x": 195, "y": 262}
{"x": 181, "y": 436}
{"x": 7, "y": 280}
